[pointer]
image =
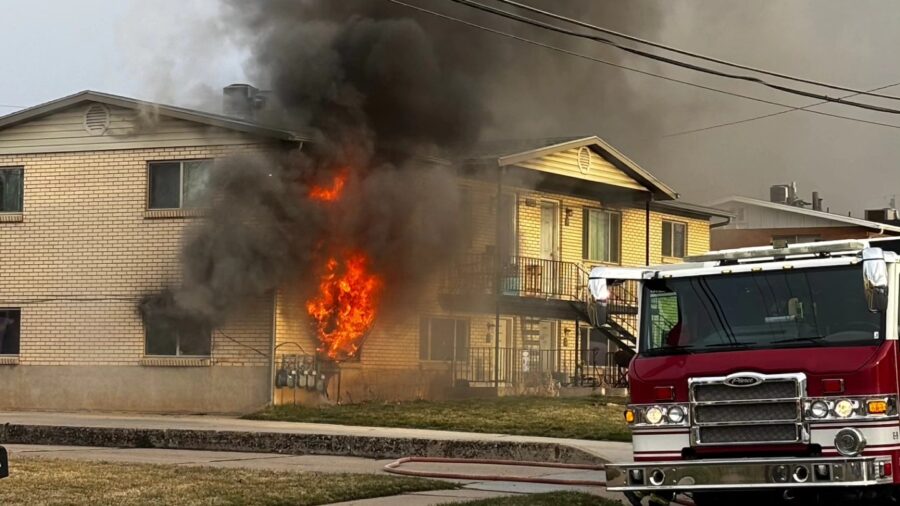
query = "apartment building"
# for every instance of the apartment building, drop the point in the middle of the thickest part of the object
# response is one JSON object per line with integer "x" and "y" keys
{"x": 97, "y": 191}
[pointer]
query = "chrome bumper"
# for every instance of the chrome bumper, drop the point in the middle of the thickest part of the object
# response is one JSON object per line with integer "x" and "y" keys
{"x": 748, "y": 474}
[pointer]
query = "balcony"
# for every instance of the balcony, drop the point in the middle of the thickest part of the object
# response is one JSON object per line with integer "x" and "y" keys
{"x": 536, "y": 369}
{"x": 527, "y": 286}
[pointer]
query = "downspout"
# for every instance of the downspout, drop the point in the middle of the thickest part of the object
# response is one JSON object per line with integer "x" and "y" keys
{"x": 647, "y": 229}
{"x": 271, "y": 401}
{"x": 498, "y": 276}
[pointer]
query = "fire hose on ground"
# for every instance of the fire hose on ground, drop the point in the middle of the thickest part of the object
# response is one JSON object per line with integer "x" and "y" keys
{"x": 395, "y": 468}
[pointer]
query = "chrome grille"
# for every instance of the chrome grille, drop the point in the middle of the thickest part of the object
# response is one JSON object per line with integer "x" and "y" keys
{"x": 766, "y": 412}
{"x": 772, "y": 411}
{"x": 765, "y": 390}
{"x": 780, "y": 433}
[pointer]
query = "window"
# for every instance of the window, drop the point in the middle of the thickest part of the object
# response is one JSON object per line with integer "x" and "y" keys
{"x": 10, "y": 326}
{"x": 11, "y": 189}
{"x": 442, "y": 339}
{"x": 178, "y": 185}
{"x": 673, "y": 239}
{"x": 177, "y": 338}
{"x": 602, "y": 235}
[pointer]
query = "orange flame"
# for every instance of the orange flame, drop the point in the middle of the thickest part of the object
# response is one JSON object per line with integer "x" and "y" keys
{"x": 326, "y": 194}
{"x": 345, "y": 307}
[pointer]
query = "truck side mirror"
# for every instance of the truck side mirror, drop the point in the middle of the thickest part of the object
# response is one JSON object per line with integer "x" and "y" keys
{"x": 875, "y": 279}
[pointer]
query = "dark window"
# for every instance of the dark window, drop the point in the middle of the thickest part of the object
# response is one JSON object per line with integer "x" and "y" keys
{"x": 10, "y": 327}
{"x": 11, "y": 189}
{"x": 602, "y": 235}
{"x": 178, "y": 185}
{"x": 443, "y": 338}
{"x": 674, "y": 239}
{"x": 170, "y": 338}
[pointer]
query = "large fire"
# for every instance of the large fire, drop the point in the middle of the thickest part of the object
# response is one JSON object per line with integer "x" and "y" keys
{"x": 346, "y": 304}
{"x": 345, "y": 307}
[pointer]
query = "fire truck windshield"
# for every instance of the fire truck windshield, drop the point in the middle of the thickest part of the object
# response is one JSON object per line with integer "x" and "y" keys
{"x": 823, "y": 306}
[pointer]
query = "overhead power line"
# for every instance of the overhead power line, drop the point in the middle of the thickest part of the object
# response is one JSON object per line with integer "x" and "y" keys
{"x": 699, "y": 56}
{"x": 631, "y": 69}
{"x": 763, "y": 116}
{"x": 8, "y": 106}
{"x": 671, "y": 61}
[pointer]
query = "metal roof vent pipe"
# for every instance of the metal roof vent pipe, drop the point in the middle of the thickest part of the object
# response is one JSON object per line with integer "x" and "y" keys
{"x": 242, "y": 101}
{"x": 816, "y": 201}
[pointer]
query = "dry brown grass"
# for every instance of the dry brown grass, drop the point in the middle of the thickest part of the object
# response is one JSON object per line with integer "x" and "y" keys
{"x": 65, "y": 482}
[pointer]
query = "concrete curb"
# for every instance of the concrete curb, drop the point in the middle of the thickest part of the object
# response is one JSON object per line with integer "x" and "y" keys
{"x": 293, "y": 444}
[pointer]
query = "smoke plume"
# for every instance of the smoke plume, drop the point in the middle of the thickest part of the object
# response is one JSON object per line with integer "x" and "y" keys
{"x": 382, "y": 92}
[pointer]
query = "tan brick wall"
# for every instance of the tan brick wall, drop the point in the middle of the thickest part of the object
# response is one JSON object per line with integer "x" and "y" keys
{"x": 84, "y": 254}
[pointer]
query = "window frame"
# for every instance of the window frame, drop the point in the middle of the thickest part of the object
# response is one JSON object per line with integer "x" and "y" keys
{"x": 181, "y": 162}
{"x": 428, "y": 320}
{"x": 4, "y": 309}
{"x": 21, "y": 169}
{"x": 673, "y": 224}
{"x": 586, "y": 236}
{"x": 178, "y": 353}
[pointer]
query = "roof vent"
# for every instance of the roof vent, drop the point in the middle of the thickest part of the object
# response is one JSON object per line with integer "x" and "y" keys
{"x": 96, "y": 119}
{"x": 584, "y": 159}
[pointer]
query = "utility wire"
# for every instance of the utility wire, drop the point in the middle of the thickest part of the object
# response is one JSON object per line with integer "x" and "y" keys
{"x": 671, "y": 61}
{"x": 624, "y": 67}
{"x": 747, "y": 120}
{"x": 7, "y": 106}
{"x": 693, "y": 54}
{"x": 245, "y": 345}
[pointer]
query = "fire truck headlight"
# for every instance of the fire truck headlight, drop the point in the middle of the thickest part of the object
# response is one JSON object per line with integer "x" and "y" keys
{"x": 818, "y": 409}
{"x": 675, "y": 414}
{"x": 843, "y": 408}
{"x": 654, "y": 415}
{"x": 629, "y": 416}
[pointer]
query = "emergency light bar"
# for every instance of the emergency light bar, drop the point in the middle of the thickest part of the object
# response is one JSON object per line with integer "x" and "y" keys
{"x": 815, "y": 248}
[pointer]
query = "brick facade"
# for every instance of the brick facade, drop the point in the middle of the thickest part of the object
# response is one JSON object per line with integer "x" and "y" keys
{"x": 76, "y": 262}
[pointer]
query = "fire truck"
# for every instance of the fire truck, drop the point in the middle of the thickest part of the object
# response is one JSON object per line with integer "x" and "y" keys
{"x": 762, "y": 374}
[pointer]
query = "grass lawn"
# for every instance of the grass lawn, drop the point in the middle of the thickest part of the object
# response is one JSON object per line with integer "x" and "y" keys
{"x": 573, "y": 417}
{"x": 64, "y": 482}
{"x": 551, "y": 499}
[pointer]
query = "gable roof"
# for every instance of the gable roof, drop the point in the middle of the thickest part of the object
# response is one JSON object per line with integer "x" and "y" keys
{"x": 515, "y": 152}
{"x": 848, "y": 220}
{"x": 182, "y": 113}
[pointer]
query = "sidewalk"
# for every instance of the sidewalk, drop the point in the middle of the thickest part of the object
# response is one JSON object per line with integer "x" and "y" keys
{"x": 169, "y": 431}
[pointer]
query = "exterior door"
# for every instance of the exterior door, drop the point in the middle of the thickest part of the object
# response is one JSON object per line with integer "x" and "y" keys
{"x": 549, "y": 270}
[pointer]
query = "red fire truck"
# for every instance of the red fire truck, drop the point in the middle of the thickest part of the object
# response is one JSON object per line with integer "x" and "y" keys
{"x": 766, "y": 372}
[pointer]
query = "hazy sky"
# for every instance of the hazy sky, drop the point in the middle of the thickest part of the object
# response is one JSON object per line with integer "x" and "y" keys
{"x": 180, "y": 52}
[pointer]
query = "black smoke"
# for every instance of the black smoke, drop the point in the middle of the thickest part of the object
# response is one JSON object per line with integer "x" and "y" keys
{"x": 393, "y": 98}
